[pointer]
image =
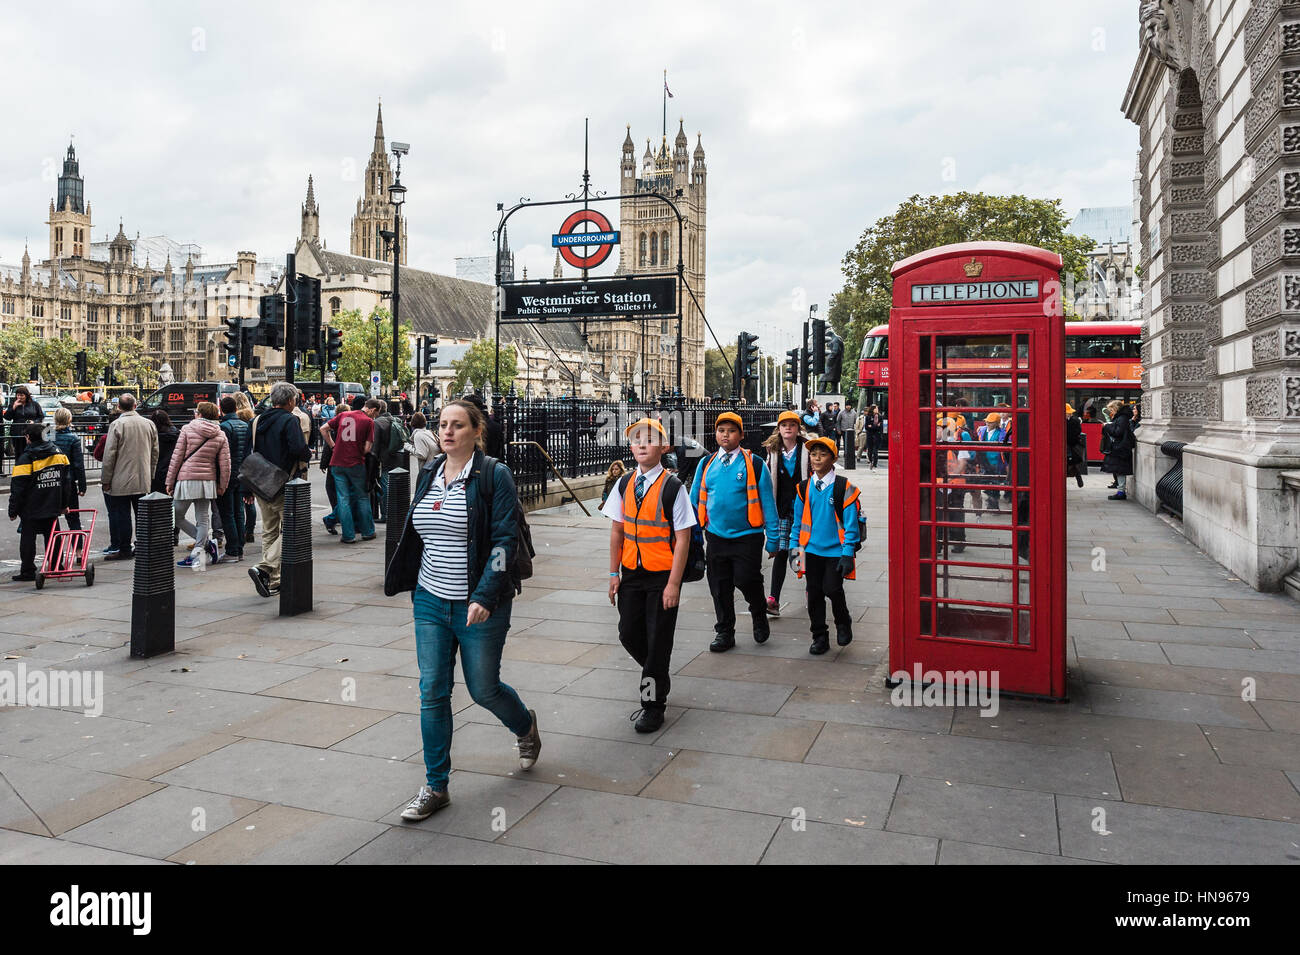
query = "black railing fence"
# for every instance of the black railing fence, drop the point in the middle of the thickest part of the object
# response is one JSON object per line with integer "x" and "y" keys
{"x": 582, "y": 437}
{"x": 89, "y": 434}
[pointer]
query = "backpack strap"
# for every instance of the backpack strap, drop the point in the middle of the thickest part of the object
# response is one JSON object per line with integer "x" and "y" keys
{"x": 623, "y": 483}
{"x": 668, "y": 498}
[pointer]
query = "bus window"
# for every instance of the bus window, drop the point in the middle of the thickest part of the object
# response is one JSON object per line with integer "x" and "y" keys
{"x": 1107, "y": 347}
{"x": 875, "y": 348}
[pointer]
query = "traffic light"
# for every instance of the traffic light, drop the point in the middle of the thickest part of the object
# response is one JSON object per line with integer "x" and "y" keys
{"x": 270, "y": 329}
{"x": 792, "y": 366}
{"x": 429, "y": 353}
{"x": 819, "y": 346}
{"x": 109, "y": 380}
{"x": 36, "y": 373}
{"x": 306, "y": 313}
{"x": 805, "y": 362}
{"x": 82, "y": 371}
{"x": 234, "y": 332}
{"x": 747, "y": 355}
{"x": 333, "y": 347}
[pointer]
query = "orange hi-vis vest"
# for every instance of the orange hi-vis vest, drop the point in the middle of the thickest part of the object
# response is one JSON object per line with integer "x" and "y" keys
{"x": 753, "y": 507}
{"x": 851, "y": 494}
{"x": 647, "y": 533}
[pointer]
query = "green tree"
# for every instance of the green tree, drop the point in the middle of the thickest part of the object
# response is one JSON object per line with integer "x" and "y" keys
{"x": 132, "y": 364}
{"x": 357, "y": 358}
{"x": 717, "y": 370}
{"x": 479, "y": 363}
{"x": 57, "y": 357}
{"x": 922, "y": 223}
{"x": 19, "y": 350}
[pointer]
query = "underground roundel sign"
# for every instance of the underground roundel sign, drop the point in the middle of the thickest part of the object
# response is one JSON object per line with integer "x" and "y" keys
{"x": 585, "y": 239}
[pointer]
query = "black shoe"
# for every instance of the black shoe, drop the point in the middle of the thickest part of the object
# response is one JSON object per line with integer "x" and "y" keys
{"x": 248, "y": 537}
{"x": 381, "y": 520}
{"x": 647, "y": 720}
{"x": 722, "y": 643}
{"x": 1117, "y": 496}
{"x": 820, "y": 644}
{"x": 347, "y": 540}
{"x": 23, "y": 578}
{"x": 844, "y": 636}
{"x": 261, "y": 581}
{"x": 331, "y": 527}
{"x": 365, "y": 537}
{"x": 120, "y": 555}
{"x": 1112, "y": 486}
{"x": 760, "y": 636}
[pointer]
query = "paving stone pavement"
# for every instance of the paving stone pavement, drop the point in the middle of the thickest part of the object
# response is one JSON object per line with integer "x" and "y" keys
{"x": 270, "y": 740}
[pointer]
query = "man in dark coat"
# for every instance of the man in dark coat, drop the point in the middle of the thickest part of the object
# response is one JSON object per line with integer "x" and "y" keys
{"x": 1119, "y": 459}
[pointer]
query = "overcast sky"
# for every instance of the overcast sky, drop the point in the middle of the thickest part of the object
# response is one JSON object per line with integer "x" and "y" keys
{"x": 202, "y": 121}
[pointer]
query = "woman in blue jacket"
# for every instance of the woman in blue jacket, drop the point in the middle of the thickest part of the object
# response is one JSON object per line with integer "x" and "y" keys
{"x": 455, "y": 553}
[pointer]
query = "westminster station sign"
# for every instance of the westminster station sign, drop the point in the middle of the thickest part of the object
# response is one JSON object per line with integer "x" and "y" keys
{"x": 631, "y": 297}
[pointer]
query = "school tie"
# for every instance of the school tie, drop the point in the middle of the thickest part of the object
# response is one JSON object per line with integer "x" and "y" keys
{"x": 640, "y": 488}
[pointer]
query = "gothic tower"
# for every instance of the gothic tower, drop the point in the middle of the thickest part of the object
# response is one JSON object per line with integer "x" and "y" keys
{"x": 310, "y": 216}
{"x": 374, "y": 211}
{"x": 649, "y": 245}
{"x": 69, "y": 219}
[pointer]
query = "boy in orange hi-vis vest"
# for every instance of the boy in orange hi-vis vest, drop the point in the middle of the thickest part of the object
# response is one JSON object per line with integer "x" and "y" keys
{"x": 823, "y": 540}
{"x": 649, "y": 541}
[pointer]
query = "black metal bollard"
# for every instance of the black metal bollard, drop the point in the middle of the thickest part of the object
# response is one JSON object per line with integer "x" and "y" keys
{"x": 399, "y": 502}
{"x": 295, "y": 549}
{"x": 153, "y": 595}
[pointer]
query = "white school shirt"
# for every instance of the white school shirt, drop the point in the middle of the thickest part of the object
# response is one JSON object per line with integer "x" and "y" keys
{"x": 442, "y": 521}
{"x": 683, "y": 513}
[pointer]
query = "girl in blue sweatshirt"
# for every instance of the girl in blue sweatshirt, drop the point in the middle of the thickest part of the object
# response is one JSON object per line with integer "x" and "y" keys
{"x": 823, "y": 540}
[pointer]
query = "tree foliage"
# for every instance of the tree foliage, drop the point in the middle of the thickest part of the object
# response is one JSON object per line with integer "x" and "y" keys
{"x": 357, "y": 357}
{"x": 478, "y": 365}
{"x": 924, "y": 222}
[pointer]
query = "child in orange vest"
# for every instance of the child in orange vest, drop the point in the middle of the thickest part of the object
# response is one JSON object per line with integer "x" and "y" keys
{"x": 823, "y": 541}
{"x": 733, "y": 497}
{"x": 649, "y": 541}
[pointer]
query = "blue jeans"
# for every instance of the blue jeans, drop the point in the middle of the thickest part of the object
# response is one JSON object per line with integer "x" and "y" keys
{"x": 231, "y": 507}
{"x": 350, "y": 486}
{"x": 439, "y": 629}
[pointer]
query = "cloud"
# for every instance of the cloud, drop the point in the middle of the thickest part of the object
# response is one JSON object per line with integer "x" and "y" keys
{"x": 203, "y": 121}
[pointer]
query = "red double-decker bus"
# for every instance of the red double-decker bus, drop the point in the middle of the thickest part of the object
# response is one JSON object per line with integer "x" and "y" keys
{"x": 1103, "y": 362}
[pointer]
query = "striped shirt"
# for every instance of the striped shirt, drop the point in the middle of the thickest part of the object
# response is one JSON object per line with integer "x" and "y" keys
{"x": 442, "y": 521}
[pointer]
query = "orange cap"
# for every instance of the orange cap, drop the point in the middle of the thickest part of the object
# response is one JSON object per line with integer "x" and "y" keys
{"x": 827, "y": 443}
{"x": 733, "y": 418}
{"x": 648, "y": 423}
{"x": 789, "y": 416}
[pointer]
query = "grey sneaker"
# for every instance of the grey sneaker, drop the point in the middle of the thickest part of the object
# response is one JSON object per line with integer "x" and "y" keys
{"x": 425, "y": 804}
{"x": 530, "y": 745}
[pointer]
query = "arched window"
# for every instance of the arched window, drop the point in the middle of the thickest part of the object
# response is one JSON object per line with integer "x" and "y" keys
{"x": 336, "y": 305}
{"x": 665, "y": 247}
{"x": 641, "y": 258}
{"x": 654, "y": 248}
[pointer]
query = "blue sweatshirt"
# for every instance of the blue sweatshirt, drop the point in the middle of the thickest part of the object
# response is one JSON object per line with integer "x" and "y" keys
{"x": 825, "y": 539}
{"x": 727, "y": 509}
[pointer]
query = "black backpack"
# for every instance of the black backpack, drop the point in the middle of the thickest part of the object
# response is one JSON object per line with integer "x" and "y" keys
{"x": 695, "y": 565}
{"x": 522, "y": 568}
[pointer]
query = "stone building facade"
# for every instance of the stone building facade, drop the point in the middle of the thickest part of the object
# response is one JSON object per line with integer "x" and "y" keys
{"x": 1216, "y": 96}
{"x": 96, "y": 292}
{"x": 374, "y": 212}
{"x": 648, "y": 244}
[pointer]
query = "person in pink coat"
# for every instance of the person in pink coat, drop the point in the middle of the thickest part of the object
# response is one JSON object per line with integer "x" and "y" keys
{"x": 198, "y": 474}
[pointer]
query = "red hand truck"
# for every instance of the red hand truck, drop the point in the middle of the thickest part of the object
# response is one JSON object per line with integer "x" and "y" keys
{"x": 67, "y": 552}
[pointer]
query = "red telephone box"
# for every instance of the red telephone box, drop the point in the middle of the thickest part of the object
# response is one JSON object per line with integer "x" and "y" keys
{"x": 977, "y": 467}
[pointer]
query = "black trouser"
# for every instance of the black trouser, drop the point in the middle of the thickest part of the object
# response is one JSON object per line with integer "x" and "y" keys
{"x": 736, "y": 562}
{"x": 952, "y": 507}
{"x": 873, "y": 447}
{"x": 330, "y": 493}
{"x": 850, "y": 439}
{"x": 824, "y": 580}
{"x": 27, "y": 541}
{"x": 646, "y": 631}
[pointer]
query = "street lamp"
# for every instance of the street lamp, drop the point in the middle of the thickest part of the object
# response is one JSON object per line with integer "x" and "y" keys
{"x": 376, "y": 319}
{"x": 397, "y": 196}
